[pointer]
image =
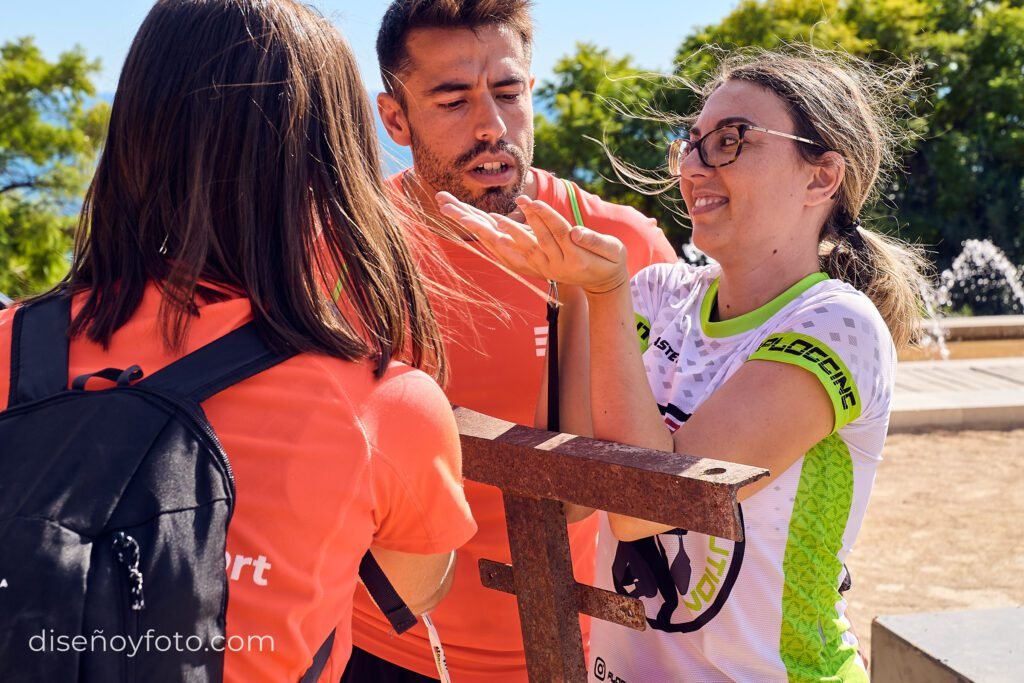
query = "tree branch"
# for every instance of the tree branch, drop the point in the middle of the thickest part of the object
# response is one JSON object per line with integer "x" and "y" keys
{"x": 18, "y": 186}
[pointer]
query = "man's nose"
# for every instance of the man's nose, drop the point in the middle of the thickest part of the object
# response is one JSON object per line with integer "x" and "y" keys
{"x": 490, "y": 126}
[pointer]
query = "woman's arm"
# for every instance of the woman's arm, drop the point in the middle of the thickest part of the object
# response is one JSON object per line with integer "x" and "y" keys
{"x": 622, "y": 404}
{"x": 421, "y": 581}
{"x": 766, "y": 415}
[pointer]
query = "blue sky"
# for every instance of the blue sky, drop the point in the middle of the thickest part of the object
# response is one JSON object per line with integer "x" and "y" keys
{"x": 650, "y": 30}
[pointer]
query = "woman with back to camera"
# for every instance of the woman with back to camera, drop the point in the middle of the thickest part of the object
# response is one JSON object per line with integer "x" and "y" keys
{"x": 781, "y": 355}
{"x": 241, "y": 174}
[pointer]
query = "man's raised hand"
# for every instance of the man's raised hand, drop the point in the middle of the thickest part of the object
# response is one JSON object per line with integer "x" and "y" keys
{"x": 549, "y": 247}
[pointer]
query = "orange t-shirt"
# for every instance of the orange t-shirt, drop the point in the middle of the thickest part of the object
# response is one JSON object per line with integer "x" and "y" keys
{"x": 327, "y": 461}
{"x": 496, "y": 369}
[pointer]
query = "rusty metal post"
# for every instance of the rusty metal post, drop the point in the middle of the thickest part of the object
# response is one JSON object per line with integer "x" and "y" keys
{"x": 544, "y": 582}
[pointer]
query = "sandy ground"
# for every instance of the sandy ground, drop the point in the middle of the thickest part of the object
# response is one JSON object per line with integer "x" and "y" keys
{"x": 944, "y": 529}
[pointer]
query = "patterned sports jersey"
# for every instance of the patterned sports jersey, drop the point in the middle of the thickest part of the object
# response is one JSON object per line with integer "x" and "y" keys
{"x": 767, "y": 608}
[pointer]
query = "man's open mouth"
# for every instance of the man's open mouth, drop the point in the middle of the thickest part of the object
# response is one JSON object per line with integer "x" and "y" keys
{"x": 491, "y": 168}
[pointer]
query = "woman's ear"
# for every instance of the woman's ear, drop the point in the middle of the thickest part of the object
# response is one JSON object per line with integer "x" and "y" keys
{"x": 826, "y": 179}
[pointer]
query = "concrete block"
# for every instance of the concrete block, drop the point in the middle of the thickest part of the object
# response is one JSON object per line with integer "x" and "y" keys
{"x": 979, "y": 646}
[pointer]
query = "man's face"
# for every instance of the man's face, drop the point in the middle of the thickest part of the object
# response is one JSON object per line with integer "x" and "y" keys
{"x": 468, "y": 114}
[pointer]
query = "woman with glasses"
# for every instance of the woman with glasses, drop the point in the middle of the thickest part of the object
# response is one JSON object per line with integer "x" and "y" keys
{"x": 780, "y": 355}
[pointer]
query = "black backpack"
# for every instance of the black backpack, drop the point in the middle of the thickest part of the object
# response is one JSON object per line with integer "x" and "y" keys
{"x": 114, "y": 511}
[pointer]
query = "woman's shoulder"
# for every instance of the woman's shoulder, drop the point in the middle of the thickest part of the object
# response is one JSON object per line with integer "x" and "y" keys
{"x": 847, "y": 322}
{"x": 840, "y": 305}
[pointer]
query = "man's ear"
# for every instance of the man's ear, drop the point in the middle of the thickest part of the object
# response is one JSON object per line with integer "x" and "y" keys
{"x": 393, "y": 117}
{"x": 826, "y": 179}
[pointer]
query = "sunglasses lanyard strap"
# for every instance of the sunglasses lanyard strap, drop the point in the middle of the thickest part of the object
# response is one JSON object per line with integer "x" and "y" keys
{"x": 552, "y": 306}
{"x": 553, "y": 356}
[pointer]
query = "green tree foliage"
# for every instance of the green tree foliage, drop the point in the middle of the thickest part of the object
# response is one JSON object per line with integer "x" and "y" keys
{"x": 598, "y": 102}
{"x": 49, "y": 138}
{"x": 965, "y": 174}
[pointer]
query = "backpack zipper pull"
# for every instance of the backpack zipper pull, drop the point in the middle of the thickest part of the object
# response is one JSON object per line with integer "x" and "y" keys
{"x": 128, "y": 554}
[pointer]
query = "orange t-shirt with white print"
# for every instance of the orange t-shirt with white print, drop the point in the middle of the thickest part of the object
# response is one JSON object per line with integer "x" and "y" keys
{"x": 496, "y": 368}
{"x": 327, "y": 461}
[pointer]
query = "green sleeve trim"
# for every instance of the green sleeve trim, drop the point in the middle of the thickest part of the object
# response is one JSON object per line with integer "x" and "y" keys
{"x": 571, "y": 187}
{"x": 643, "y": 330}
{"x": 755, "y": 318}
{"x": 821, "y": 361}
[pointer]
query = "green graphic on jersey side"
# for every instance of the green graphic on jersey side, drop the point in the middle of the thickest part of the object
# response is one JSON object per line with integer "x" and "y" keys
{"x": 755, "y": 318}
{"x": 643, "y": 330}
{"x": 707, "y": 586}
{"x": 821, "y": 361}
{"x": 810, "y": 642}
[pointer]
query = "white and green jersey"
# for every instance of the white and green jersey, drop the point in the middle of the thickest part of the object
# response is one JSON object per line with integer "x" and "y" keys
{"x": 769, "y": 608}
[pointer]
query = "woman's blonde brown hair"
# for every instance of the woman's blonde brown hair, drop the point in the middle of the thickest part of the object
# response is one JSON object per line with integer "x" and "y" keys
{"x": 851, "y": 107}
{"x": 242, "y": 154}
{"x": 846, "y": 105}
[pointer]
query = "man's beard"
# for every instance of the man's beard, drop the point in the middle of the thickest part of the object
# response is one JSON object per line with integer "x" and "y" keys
{"x": 448, "y": 176}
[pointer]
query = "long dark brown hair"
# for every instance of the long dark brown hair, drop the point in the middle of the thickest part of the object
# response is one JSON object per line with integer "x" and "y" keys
{"x": 242, "y": 153}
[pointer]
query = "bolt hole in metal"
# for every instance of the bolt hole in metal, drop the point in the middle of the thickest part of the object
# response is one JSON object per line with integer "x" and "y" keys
{"x": 715, "y": 470}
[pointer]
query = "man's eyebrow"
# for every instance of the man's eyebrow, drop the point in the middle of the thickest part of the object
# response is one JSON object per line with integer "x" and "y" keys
{"x": 510, "y": 81}
{"x": 727, "y": 121}
{"x": 449, "y": 87}
{"x": 462, "y": 86}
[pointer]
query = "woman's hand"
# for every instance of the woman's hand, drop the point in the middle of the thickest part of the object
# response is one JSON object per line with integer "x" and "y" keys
{"x": 548, "y": 247}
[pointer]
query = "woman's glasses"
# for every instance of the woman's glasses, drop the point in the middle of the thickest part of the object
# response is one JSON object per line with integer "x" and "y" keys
{"x": 720, "y": 147}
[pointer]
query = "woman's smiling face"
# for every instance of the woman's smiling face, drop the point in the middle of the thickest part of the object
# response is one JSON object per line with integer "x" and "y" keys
{"x": 755, "y": 206}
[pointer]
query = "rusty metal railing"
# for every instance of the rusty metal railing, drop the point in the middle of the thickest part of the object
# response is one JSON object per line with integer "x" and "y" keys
{"x": 538, "y": 470}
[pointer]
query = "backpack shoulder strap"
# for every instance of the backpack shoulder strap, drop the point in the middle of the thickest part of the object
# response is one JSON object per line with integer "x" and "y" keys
{"x": 384, "y": 594}
{"x": 320, "y": 658}
{"x": 390, "y": 603}
{"x": 39, "y": 350}
{"x": 223, "y": 362}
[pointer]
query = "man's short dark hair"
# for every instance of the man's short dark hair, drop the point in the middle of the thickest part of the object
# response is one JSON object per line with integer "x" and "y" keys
{"x": 405, "y": 15}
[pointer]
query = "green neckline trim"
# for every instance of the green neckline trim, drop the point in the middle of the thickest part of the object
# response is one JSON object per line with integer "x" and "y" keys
{"x": 755, "y": 318}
